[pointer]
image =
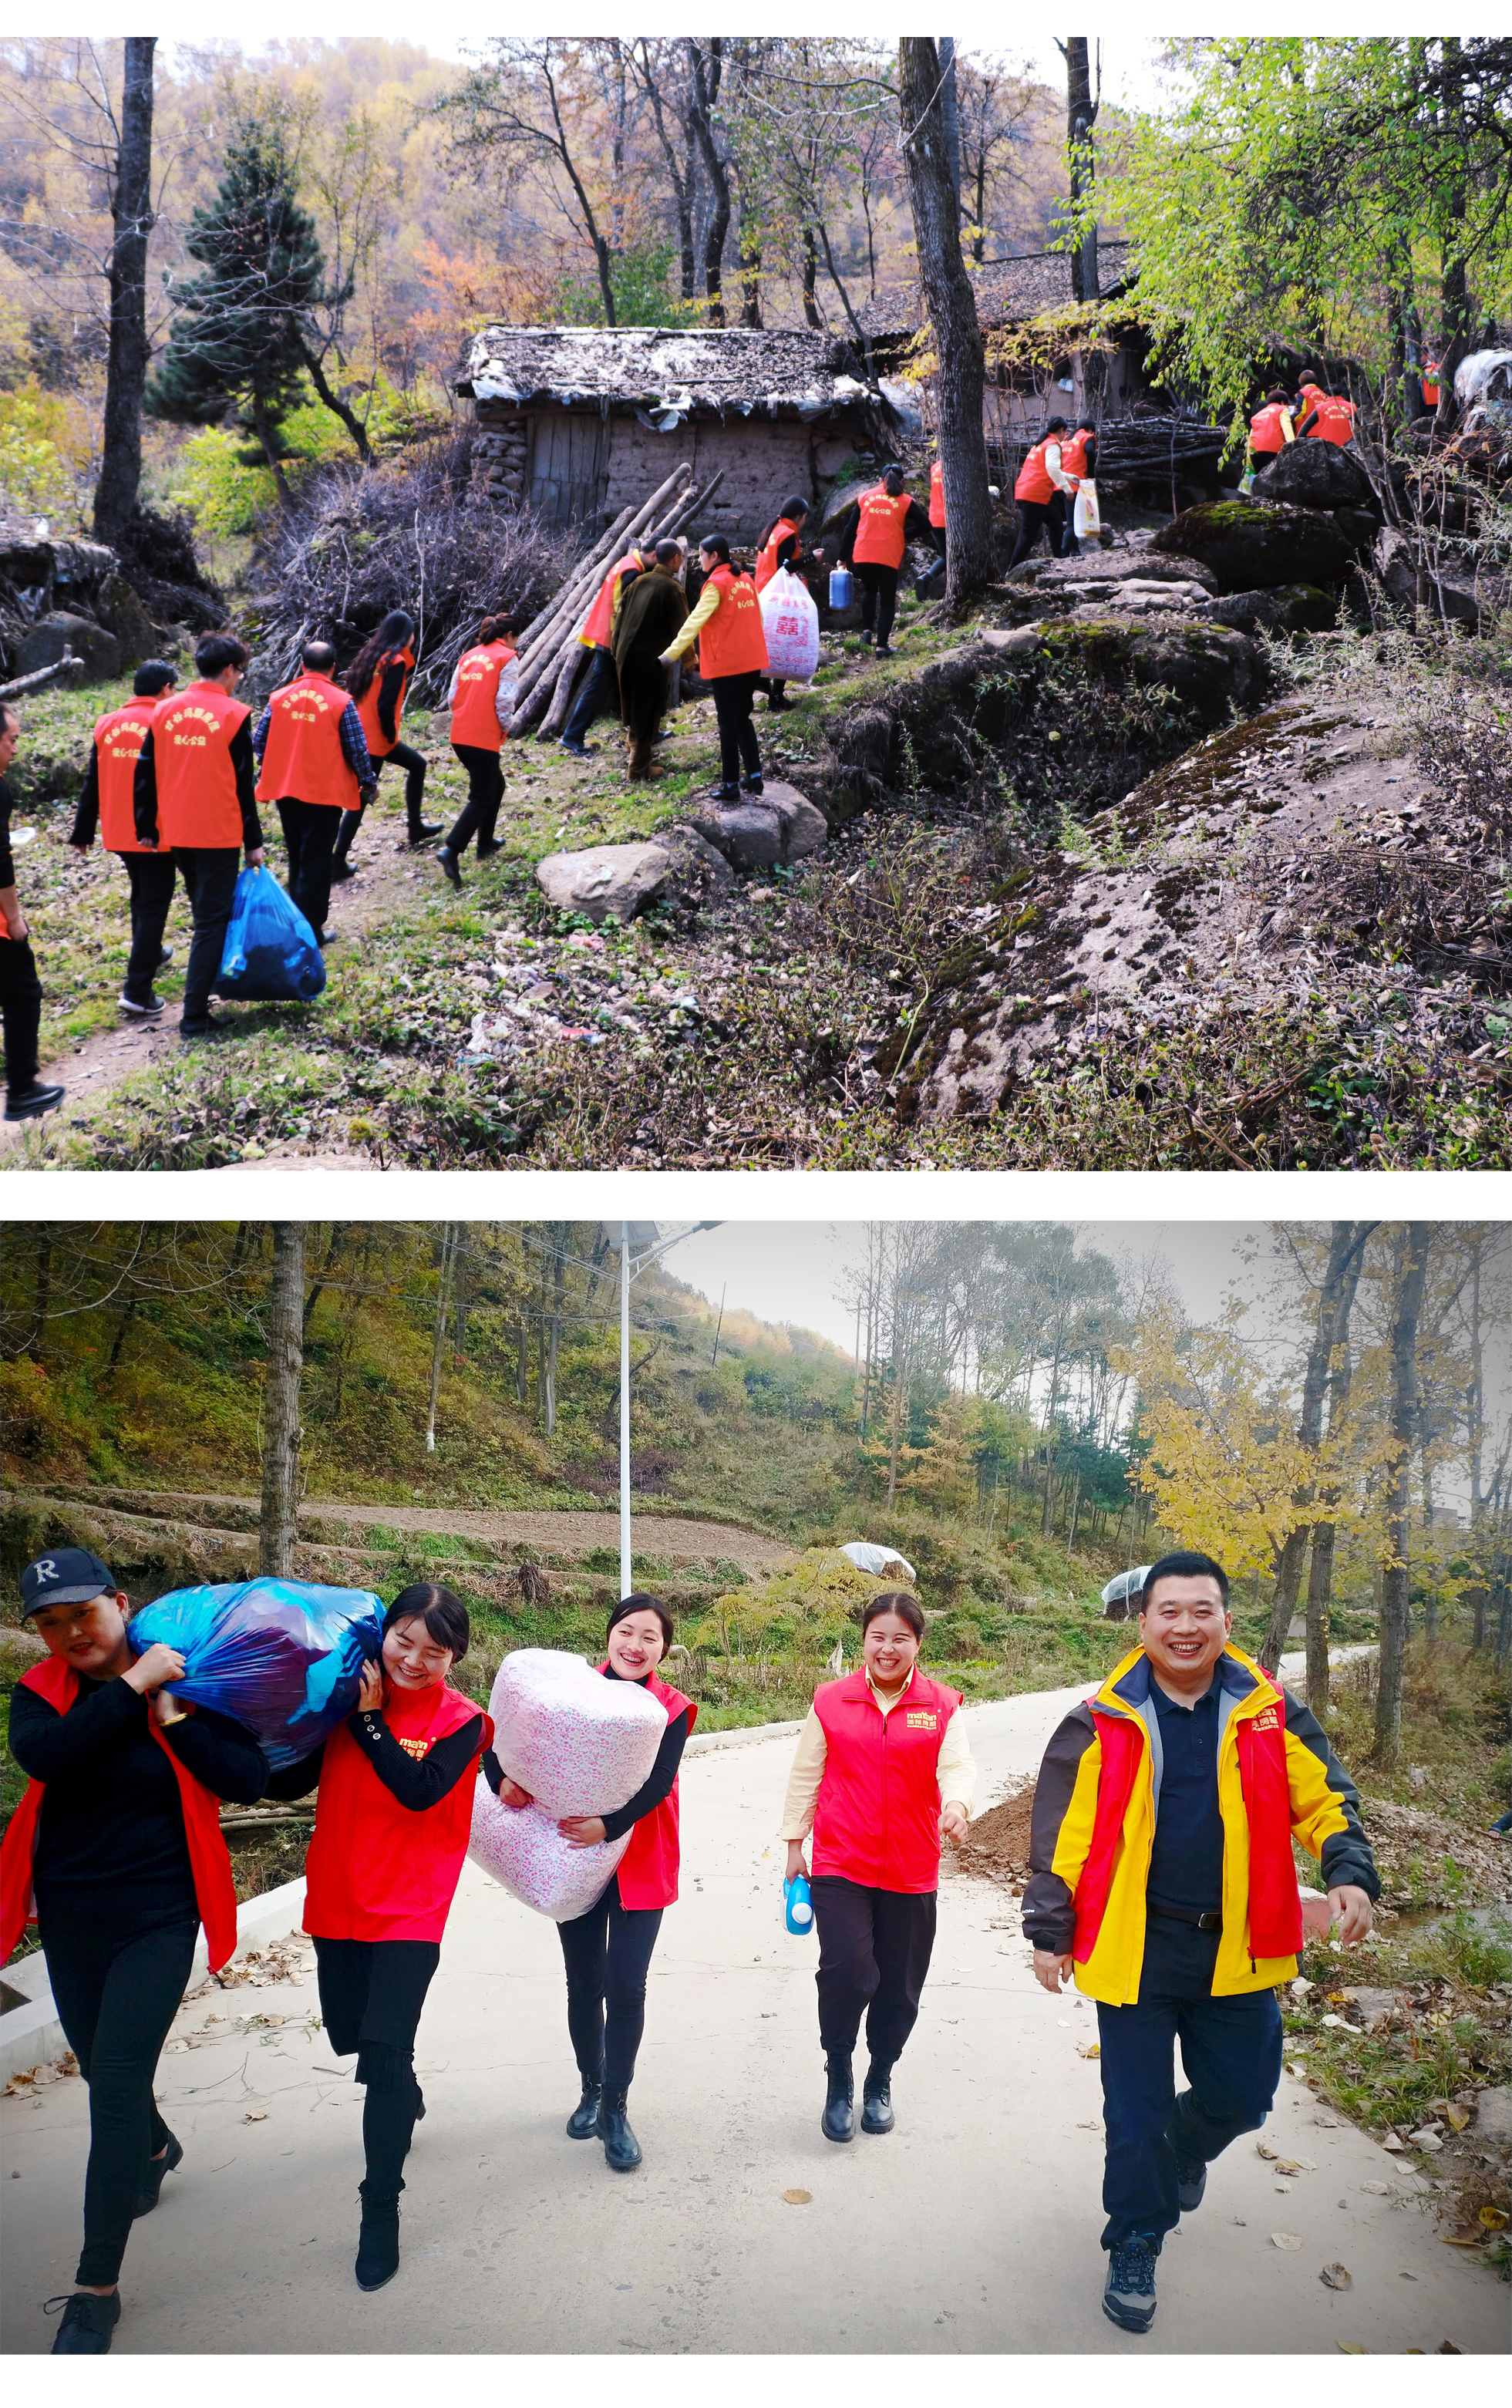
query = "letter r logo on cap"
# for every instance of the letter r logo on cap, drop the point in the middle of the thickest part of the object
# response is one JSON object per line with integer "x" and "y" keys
{"x": 46, "y": 1568}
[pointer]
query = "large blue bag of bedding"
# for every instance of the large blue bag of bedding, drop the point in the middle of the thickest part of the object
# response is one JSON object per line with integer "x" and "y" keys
{"x": 285, "y": 1657}
{"x": 270, "y": 954}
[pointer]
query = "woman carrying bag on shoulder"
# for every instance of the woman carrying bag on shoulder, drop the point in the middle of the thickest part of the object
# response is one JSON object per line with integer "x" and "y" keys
{"x": 392, "y": 1826}
{"x": 117, "y": 1850}
{"x": 883, "y": 1775}
{"x": 607, "y": 1951}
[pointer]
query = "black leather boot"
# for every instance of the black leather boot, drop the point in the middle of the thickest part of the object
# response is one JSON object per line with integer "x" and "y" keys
{"x": 582, "y": 2124}
{"x": 377, "y": 2242}
{"x": 340, "y": 866}
{"x": 146, "y": 2198}
{"x": 839, "y": 2122}
{"x": 876, "y": 2097}
{"x": 620, "y": 2146}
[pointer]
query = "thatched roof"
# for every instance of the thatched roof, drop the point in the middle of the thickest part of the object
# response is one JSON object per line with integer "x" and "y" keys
{"x": 1013, "y": 290}
{"x": 664, "y": 374}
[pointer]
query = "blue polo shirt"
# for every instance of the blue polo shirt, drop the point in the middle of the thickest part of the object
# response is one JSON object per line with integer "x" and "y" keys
{"x": 1186, "y": 1863}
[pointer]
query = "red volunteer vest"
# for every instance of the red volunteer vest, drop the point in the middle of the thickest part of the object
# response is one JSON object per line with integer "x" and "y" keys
{"x": 876, "y": 1819}
{"x": 210, "y": 1858}
{"x": 1074, "y": 455}
{"x": 649, "y": 1869}
{"x": 376, "y": 1870}
{"x": 879, "y": 535}
{"x": 1335, "y": 418}
{"x": 196, "y": 784}
{"x": 303, "y": 759}
{"x": 767, "y": 564}
{"x": 1034, "y": 482}
{"x": 474, "y": 718}
{"x": 599, "y": 624}
{"x": 118, "y": 740}
{"x": 937, "y": 494}
{"x": 1265, "y": 430}
{"x": 733, "y": 641}
{"x": 1430, "y": 383}
{"x": 378, "y": 743}
{"x": 1275, "y": 1902}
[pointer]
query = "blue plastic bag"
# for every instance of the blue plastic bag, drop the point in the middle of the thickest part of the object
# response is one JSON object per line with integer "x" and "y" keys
{"x": 841, "y": 589}
{"x": 285, "y": 1657}
{"x": 270, "y": 955}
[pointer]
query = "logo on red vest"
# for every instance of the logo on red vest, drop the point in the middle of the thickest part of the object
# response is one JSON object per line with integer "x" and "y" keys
{"x": 1266, "y": 1721}
{"x": 917, "y": 1721}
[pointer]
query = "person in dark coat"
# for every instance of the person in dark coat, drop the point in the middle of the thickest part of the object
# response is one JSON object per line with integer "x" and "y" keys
{"x": 651, "y": 615}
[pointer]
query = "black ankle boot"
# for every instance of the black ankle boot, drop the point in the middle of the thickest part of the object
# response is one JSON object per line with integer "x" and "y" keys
{"x": 582, "y": 2124}
{"x": 838, "y": 2121}
{"x": 620, "y": 2146}
{"x": 340, "y": 866}
{"x": 876, "y": 2097}
{"x": 377, "y": 2242}
{"x": 421, "y": 831}
{"x": 146, "y": 2198}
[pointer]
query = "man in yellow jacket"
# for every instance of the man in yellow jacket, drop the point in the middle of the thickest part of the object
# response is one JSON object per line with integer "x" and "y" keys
{"x": 1161, "y": 1880}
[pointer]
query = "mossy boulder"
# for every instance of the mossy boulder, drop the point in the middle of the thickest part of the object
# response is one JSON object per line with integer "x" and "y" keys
{"x": 1316, "y": 476}
{"x": 1252, "y": 543}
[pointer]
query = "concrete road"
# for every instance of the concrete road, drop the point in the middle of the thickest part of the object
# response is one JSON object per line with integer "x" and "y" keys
{"x": 971, "y": 2228}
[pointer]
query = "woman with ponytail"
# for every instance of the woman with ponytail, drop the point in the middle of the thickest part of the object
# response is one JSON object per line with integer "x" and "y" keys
{"x": 378, "y": 681}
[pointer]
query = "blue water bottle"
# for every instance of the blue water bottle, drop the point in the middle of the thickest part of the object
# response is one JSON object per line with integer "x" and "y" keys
{"x": 798, "y": 1907}
{"x": 840, "y": 588}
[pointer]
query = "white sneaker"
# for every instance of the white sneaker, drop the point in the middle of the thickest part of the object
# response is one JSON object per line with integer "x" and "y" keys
{"x": 142, "y": 1010}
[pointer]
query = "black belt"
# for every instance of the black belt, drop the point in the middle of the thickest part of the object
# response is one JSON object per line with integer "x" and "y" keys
{"x": 1182, "y": 1914}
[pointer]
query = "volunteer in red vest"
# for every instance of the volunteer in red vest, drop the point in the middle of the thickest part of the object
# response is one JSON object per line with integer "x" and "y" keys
{"x": 1042, "y": 491}
{"x": 481, "y": 696}
{"x": 1162, "y": 1879}
{"x": 873, "y": 536}
{"x": 607, "y": 1951}
{"x": 391, "y": 1825}
{"x": 782, "y": 547}
{"x": 27, "y": 1096}
{"x": 106, "y": 801}
{"x": 315, "y": 766}
{"x": 1078, "y": 458}
{"x": 598, "y": 696}
{"x": 194, "y": 796}
{"x": 883, "y": 1775}
{"x": 1326, "y": 416}
{"x": 725, "y": 622}
{"x": 117, "y": 1853}
{"x": 378, "y": 681}
{"x": 922, "y": 585}
{"x": 1270, "y": 429}
{"x": 1429, "y": 385}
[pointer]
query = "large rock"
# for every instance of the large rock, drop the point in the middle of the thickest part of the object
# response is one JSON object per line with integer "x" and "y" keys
{"x": 1139, "y": 562}
{"x": 1316, "y": 476}
{"x": 1412, "y": 580}
{"x": 122, "y": 615}
{"x": 1251, "y": 543}
{"x": 1287, "y": 610}
{"x": 779, "y": 825}
{"x": 62, "y": 632}
{"x": 615, "y": 881}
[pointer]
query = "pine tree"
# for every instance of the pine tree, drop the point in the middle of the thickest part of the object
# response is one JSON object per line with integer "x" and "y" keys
{"x": 246, "y": 337}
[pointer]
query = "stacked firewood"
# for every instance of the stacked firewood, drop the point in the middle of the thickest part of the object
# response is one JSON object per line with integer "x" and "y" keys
{"x": 550, "y": 654}
{"x": 1144, "y": 446}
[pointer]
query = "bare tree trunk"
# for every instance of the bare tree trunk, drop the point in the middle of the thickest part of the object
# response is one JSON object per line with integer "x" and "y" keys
{"x": 1412, "y": 1268}
{"x": 1081, "y": 107}
{"x": 554, "y": 1343}
{"x": 448, "y": 1248}
{"x": 972, "y": 563}
{"x": 1321, "y": 1575}
{"x": 126, "y": 363}
{"x": 278, "y": 1526}
{"x": 706, "y": 71}
{"x": 1347, "y": 1240}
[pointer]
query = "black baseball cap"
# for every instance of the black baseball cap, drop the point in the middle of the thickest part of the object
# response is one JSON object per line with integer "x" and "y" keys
{"x": 69, "y": 1576}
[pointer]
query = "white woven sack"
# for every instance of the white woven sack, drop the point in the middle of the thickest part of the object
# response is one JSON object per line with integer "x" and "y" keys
{"x": 578, "y": 1743}
{"x": 524, "y": 1850}
{"x": 791, "y": 620}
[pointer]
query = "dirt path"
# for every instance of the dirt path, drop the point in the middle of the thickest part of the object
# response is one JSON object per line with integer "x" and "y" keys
{"x": 562, "y": 1533}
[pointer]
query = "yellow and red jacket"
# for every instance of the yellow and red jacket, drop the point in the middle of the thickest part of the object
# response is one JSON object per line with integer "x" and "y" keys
{"x": 1093, "y": 1826}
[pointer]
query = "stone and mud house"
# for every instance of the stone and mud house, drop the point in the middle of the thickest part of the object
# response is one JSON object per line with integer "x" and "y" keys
{"x": 581, "y": 420}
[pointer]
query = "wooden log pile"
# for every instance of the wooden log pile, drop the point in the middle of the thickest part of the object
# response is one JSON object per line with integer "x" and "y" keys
{"x": 550, "y": 654}
{"x": 1158, "y": 446}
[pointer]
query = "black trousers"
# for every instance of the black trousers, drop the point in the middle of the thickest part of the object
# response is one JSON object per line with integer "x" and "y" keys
{"x": 1231, "y": 2053}
{"x": 309, "y": 835}
{"x": 151, "y": 876}
{"x": 210, "y": 876}
{"x": 607, "y": 1953}
{"x": 1032, "y": 516}
{"x": 733, "y": 700}
{"x": 116, "y": 1997}
{"x": 372, "y": 1992}
{"x": 414, "y": 765}
{"x": 873, "y": 1951}
{"x": 597, "y": 697}
{"x": 479, "y": 815}
{"x": 879, "y": 595}
{"x": 20, "y": 1011}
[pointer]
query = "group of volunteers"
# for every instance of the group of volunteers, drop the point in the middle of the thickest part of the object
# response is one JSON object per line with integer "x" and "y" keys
{"x": 1311, "y": 413}
{"x": 1162, "y": 1882}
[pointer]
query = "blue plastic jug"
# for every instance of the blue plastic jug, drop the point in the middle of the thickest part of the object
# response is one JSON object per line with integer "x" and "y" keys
{"x": 841, "y": 588}
{"x": 798, "y": 1907}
